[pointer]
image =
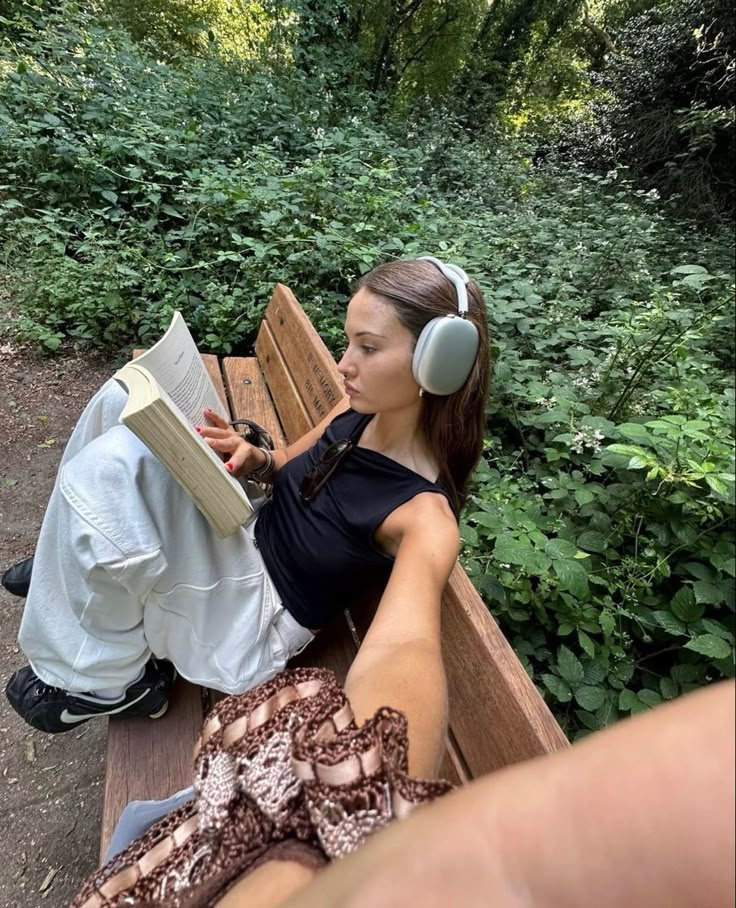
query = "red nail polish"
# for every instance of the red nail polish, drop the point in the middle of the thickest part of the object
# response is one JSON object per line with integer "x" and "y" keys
{"x": 228, "y": 466}
{"x": 197, "y": 428}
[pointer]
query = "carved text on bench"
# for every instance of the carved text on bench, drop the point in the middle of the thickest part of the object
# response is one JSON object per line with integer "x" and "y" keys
{"x": 325, "y": 385}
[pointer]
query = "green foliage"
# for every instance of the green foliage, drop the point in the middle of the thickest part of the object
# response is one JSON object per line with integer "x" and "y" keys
{"x": 664, "y": 104}
{"x": 603, "y": 513}
{"x": 600, "y": 525}
{"x": 131, "y": 187}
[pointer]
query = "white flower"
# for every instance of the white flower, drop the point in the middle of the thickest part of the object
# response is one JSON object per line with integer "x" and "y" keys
{"x": 587, "y": 438}
{"x": 547, "y": 402}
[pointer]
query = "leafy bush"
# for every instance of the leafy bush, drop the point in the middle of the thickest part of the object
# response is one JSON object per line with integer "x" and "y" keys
{"x": 600, "y": 528}
{"x": 665, "y": 105}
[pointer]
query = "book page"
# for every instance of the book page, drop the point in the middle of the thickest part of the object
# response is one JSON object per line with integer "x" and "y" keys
{"x": 159, "y": 423}
{"x": 175, "y": 363}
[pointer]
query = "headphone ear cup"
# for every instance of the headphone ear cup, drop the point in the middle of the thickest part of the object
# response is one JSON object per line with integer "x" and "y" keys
{"x": 445, "y": 354}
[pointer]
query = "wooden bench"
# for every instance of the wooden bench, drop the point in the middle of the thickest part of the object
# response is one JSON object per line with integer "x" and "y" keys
{"x": 497, "y": 717}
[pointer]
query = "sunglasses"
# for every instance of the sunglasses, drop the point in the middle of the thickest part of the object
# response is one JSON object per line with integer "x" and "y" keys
{"x": 315, "y": 479}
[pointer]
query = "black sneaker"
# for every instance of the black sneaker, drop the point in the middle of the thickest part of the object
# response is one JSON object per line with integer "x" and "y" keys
{"x": 54, "y": 710}
{"x": 17, "y": 579}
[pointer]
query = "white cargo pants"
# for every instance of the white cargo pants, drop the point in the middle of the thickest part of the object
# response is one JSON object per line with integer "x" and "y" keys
{"x": 126, "y": 566}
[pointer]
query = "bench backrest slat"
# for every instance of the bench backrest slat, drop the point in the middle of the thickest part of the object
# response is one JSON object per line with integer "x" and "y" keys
{"x": 294, "y": 416}
{"x": 498, "y": 716}
{"x": 313, "y": 370}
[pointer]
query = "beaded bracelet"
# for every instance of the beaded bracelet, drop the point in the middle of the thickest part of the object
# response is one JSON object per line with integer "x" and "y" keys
{"x": 263, "y": 471}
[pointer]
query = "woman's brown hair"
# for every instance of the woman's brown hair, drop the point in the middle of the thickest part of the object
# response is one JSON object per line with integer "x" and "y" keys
{"x": 453, "y": 425}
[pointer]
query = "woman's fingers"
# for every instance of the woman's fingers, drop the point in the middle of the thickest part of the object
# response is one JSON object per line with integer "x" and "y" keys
{"x": 211, "y": 432}
{"x": 215, "y": 419}
{"x": 232, "y": 444}
{"x": 239, "y": 458}
{"x": 224, "y": 444}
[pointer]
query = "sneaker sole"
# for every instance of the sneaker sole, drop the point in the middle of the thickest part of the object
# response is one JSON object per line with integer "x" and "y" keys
{"x": 160, "y": 712}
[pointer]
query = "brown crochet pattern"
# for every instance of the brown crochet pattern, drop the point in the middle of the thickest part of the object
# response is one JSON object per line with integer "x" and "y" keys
{"x": 283, "y": 769}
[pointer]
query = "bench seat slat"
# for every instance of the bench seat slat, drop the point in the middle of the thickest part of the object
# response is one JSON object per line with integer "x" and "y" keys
{"x": 150, "y": 759}
{"x": 249, "y": 397}
{"x": 213, "y": 367}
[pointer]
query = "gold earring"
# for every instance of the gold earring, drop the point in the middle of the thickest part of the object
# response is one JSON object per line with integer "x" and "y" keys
{"x": 421, "y": 392}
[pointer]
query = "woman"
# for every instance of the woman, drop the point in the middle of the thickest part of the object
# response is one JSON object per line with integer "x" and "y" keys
{"x": 129, "y": 579}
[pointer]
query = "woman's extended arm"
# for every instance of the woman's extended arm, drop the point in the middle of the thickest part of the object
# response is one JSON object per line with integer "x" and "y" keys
{"x": 638, "y": 815}
{"x": 399, "y": 663}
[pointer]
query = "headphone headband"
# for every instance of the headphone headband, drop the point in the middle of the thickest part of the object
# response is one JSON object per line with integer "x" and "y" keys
{"x": 457, "y": 276}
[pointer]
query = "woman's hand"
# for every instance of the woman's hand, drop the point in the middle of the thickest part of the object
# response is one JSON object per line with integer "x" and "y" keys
{"x": 244, "y": 458}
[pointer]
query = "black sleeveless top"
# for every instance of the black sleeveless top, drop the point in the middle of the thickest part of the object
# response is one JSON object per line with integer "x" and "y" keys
{"x": 320, "y": 553}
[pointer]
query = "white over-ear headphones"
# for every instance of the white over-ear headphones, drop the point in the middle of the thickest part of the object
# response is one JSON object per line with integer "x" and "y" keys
{"x": 447, "y": 347}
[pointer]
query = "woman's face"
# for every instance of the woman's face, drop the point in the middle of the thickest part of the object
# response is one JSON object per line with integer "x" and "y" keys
{"x": 377, "y": 363}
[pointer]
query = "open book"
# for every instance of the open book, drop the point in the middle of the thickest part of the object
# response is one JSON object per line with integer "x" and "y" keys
{"x": 168, "y": 388}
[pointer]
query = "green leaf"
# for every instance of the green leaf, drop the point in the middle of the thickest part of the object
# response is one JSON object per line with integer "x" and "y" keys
{"x": 584, "y": 496}
{"x": 557, "y": 687}
{"x": 469, "y": 535}
{"x": 627, "y": 700}
{"x": 701, "y": 571}
{"x": 708, "y": 592}
{"x": 110, "y": 196}
{"x": 607, "y": 623}
{"x": 668, "y": 622}
{"x": 669, "y": 688}
{"x": 684, "y": 605}
{"x": 685, "y": 674}
{"x": 650, "y": 697}
{"x": 689, "y": 269}
{"x": 589, "y": 697}
{"x": 586, "y": 644}
{"x": 624, "y": 671}
{"x": 593, "y": 541}
{"x": 628, "y": 450}
{"x": 588, "y": 719}
{"x": 634, "y": 431}
{"x": 570, "y": 667}
{"x": 514, "y": 551}
{"x": 560, "y": 548}
{"x": 709, "y": 645}
{"x": 493, "y": 588}
{"x": 696, "y": 280}
{"x": 573, "y": 577}
{"x": 715, "y": 627}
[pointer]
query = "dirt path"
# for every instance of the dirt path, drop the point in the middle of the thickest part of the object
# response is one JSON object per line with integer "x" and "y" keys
{"x": 50, "y": 786}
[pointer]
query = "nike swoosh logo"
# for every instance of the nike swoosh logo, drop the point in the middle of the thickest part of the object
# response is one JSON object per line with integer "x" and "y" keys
{"x": 72, "y": 718}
